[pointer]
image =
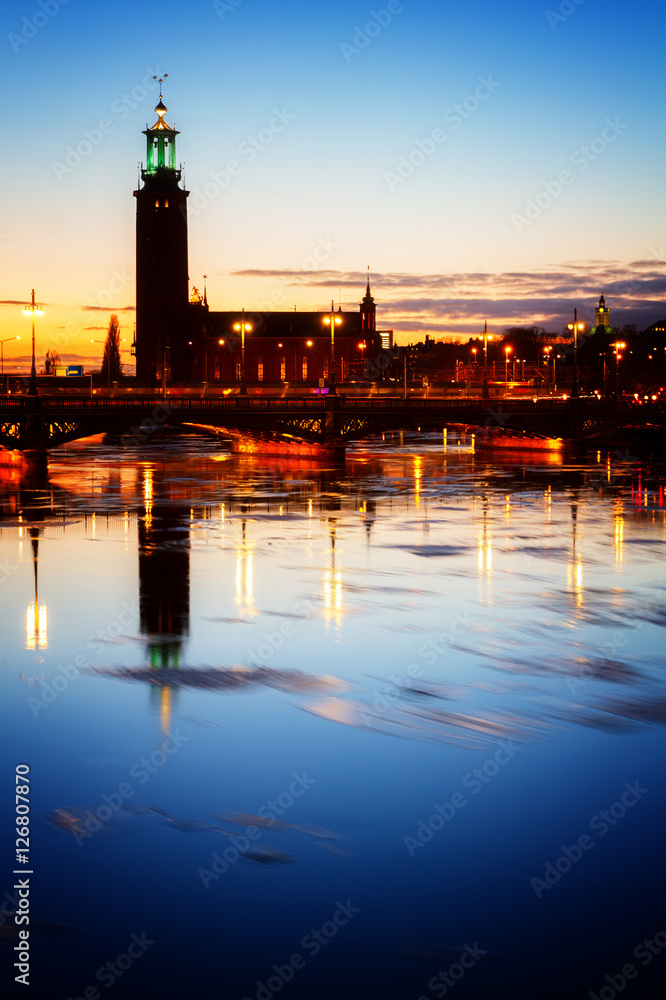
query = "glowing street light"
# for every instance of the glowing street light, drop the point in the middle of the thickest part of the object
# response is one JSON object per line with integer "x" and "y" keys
{"x": 2, "y": 354}
{"x": 507, "y": 352}
{"x": 331, "y": 321}
{"x": 242, "y": 327}
{"x": 30, "y": 311}
{"x": 361, "y": 348}
{"x": 618, "y": 346}
{"x": 575, "y": 326}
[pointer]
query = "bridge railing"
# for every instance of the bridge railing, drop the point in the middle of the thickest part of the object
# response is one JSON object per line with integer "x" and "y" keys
{"x": 151, "y": 405}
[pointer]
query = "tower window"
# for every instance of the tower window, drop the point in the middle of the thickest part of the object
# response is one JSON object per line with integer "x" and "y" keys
{"x": 166, "y": 203}
{"x": 260, "y": 370}
{"x": 305, "y": 369}
{"x": 157, "y": 203}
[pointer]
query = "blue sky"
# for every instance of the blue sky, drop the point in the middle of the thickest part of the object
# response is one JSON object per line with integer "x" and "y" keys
{"x": 500, "y": 162}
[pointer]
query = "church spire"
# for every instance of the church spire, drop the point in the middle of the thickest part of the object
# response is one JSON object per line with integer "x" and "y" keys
{"x": 368, "y": 296}
{"x": 368, "y": 321}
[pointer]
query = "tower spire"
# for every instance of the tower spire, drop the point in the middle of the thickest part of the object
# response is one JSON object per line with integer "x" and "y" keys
{"x": 368, "y": 321}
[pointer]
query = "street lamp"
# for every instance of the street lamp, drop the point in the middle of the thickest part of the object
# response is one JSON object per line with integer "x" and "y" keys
{"x": 486, "y": 337}
{"x": 618, "y": 346}
{"x": 242, "y": 327}
{"x": 507, "y": 352}
{"x": 331, "y": 321}
{"x": 575, "y": 326}
{"x": 30, "y": 311}
{"x": 362, "y": 350}
{"x": 2, "y": 356}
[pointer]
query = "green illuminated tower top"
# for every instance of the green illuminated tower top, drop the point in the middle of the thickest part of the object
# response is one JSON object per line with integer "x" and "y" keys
{"x": 161, "y": 149}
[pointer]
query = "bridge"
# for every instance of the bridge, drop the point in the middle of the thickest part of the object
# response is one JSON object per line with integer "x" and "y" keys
{"x": 44, "y": 422}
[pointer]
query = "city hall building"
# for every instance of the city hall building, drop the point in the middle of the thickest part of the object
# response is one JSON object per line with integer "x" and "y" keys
{"x": 179, "y": 335}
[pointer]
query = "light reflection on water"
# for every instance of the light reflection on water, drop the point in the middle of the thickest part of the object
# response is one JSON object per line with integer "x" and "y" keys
{"x": 384, "y": 627}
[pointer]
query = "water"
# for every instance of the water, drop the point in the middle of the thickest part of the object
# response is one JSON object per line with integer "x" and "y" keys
{"x": 392, "y": 730}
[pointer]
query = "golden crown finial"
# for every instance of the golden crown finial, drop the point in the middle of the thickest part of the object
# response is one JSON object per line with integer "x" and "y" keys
{"x": 161, "y": 80}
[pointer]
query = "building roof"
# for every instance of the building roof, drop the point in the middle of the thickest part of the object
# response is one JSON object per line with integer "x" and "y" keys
{"x": 287, "y": 324}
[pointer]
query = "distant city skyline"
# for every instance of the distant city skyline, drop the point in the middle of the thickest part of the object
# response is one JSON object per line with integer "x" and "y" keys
{"x": 499, "y": 165}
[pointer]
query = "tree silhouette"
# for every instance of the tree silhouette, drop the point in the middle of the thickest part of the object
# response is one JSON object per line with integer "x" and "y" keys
{"x": 50, "y": 361}
{"x": 111, "y": 360}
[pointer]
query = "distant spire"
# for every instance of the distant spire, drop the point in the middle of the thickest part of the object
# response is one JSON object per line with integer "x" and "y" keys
{"x": 205, "y": 298}
{"x": 368, "y": 294}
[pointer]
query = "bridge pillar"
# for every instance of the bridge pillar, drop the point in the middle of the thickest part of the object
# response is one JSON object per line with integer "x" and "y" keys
{"x": 332, "y": 423}
{"x": 33, "y": 427}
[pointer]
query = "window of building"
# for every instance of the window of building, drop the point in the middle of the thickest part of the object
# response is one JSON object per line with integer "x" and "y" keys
{"x": 283, "y": 369}
{"x": 325, "y": 369}
{"x": 305, "y": 369}
{"x": 157, "y": 203}
{"x": 260, "y": 370}
{"x": 238, "y": 371}
{"x": 166, "y": 203}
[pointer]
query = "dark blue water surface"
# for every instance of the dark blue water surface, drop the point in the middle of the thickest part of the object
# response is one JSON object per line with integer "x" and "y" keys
{"x": 393, "y": 729}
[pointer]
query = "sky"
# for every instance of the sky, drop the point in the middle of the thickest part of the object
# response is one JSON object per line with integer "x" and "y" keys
{"x": 499, "y": 162}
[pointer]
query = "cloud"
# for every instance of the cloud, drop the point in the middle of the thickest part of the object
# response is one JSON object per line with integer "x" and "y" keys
{"x": 108, "y": 309}
{"x": 456, "y": 304}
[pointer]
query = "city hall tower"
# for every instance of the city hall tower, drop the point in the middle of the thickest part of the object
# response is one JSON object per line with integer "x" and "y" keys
{"x": 161, "y": 259}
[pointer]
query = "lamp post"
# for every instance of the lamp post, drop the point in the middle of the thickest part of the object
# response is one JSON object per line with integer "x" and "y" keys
{"x": 618, "y": 346}
{"x": 575, "y": 326}
{"x": 486, "y": 337}
{"x": 331, "y": 321}
{"x": 362, "y": 350}
{"x": 2, "y": 357}
{"x": 242, "y": 327}
{"x": 548, "y": 355}
{"x": 507, "y": 352}
{"x": 30, "y": 311}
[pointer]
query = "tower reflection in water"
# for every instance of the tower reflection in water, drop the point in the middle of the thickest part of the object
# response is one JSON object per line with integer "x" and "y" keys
{"x": 164, "y": 579}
